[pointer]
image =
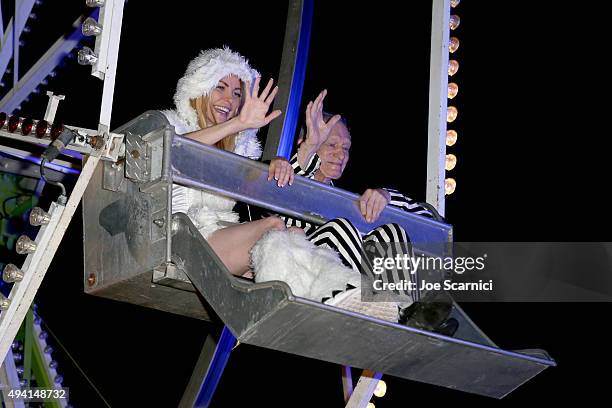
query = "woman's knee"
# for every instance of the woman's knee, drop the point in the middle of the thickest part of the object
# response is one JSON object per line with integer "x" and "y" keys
{"x": 274, "y": 223}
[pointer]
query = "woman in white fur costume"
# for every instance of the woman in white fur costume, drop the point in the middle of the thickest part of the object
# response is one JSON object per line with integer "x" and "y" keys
{"x": 218, "y": 102}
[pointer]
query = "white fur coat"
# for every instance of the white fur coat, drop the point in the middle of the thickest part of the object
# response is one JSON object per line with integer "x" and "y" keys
{"x": 206, "y": 209}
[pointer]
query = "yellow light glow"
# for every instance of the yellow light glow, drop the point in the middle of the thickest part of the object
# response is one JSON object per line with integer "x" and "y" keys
{"x": 371, "y": 405}
{"x": 453, "y": 89}
{"x": 451, "y": 137}
{"x": 453, "y": 67}
{"x": 453, "y": 44}
{"x": 455, "y": 3}
{"x": 454, "y": 21}
{"x": 451, "y": 114}
{"x": 381, "y": 389}
{"x": 449, "y": 186}
{"x": 451, "y": 162}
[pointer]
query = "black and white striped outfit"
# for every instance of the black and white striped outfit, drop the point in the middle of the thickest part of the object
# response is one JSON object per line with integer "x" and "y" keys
{"x": 342, "y": 236}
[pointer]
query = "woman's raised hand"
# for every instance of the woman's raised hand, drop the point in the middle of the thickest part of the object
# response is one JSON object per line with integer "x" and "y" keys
{"x": 253, "y": 114}
{"x": 317, "y": 130}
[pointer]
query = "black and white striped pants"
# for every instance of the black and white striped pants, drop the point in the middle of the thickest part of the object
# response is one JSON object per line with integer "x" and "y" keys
{"x": 341, "y": 235}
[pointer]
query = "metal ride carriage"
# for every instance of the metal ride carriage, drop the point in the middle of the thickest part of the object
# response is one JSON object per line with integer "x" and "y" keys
{"x": 137, "y": 251}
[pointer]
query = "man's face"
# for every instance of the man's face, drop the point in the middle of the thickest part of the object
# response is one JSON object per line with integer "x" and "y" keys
{"x": 334, "y": 153}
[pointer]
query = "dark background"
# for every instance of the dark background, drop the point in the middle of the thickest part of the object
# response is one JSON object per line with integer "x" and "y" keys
{"x": 532, "y": 166}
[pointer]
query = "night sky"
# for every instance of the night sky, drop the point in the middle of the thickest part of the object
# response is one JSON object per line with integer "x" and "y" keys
{"x": 532, "y": 166}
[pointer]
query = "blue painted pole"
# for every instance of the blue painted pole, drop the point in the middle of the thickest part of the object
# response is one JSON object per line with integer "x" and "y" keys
{"x": 297, "y": 84}
{"x": 226, "y": 343}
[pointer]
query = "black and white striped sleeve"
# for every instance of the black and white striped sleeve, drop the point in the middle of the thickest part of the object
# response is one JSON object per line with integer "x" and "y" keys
{"x": 407, "y": 204}
{"x": 312, "y": 166}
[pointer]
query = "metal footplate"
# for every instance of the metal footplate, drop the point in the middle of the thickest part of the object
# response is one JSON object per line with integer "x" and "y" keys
{"x": 268, "y": 315}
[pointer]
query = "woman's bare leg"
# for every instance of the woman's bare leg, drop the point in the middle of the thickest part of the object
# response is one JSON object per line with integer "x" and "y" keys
{"x": 232, "y": 244}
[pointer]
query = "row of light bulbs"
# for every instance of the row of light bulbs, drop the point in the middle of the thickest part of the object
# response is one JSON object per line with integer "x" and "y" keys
{"x": 12, "y": 273}
{"x": 451, "y": 113}
{"x": 90, "y": 27}
{"x": 29, "y": 126}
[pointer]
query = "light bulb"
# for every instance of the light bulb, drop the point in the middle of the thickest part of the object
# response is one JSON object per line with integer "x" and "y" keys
{"x": 451, "y": 137}
{"x": 453, "y": 67}
{"x": 453, "y": 44}
{"x": 455, "y": 3}
{"x": 453, "y": 89}
{"x": 454, "y": 22}
{"x": 381, "y": 389}
{"x": 451, "y": 114}
{"x": 449, "y": 186}
{"x": 86, "y": 56}
{"x": 451, "y": 162}
{"x": 12, "y": 274}
{"x": 91, "y": 27}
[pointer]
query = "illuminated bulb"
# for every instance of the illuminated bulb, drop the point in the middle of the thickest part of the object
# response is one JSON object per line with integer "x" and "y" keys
{"x": 453, "y": 89}
{"x": 26, "y": 126}
{"x": 42, "y": 128}
{"x": 2, "y": 119}
{"x": 453, "y": 67}
{"x": 451, "y": 114}
{"x": 86, "y": 56}
{"x": 451, "y": 137}
{"x": 371, "y": 405}
{"x": 39, "y": 217}
{"x": 25, "y": 245}
{"x": 53, "y": 364}
{"x": 455, "y": 3}
{"x": 4, "y": 302}
{"x": 381, "y": 389}
{"x": 56, "y": 130}
{"x": 453, "y": 44}
{"x": 449, "y": 186}
{"x": 91, "y": 27}
{"x": 454, "y": 22}
{"x": 94, "y": 3}
{"x": 13, "y": 123}
{"x": 12, "y": 274}
{"x": 451, "y": 162}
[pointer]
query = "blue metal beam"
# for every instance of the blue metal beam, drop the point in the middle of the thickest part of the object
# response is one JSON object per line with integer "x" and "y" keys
{"x": 6, "y": 48}
{"x": 47, "y": 63}
{"x": 226, "y": 343}
{"x": 292, "y": 114}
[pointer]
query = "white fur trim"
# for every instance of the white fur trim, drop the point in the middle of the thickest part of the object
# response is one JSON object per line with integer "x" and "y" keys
{"x": 203, "y": 74}
{"x": 311, "y": 272}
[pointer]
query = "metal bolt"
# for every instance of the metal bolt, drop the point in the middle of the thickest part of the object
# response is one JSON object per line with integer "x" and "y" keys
{"x": 43, "y": 335}
{"x": 91, "y": 279}
{"x": 25, "y": 245}
{"x": 58, "y": 379}
{"x": 4, "y": 302}
{"x": 159, "y": 222}
{"x": 39, "y": 217}
{"x": 19, "y": 370}
{"x": 53, "y": 364}
{"x": 48, "y": 350}
{"x": 12, "y": 274}
{"x": 135, "y": 154}
{"x": 18, "y": 357}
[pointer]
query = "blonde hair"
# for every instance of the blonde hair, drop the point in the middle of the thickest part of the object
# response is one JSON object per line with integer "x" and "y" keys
{"x": 200, "y": 105}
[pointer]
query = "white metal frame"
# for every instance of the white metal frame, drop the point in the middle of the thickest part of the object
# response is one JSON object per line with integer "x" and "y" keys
{"x": 438, "y": 102}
